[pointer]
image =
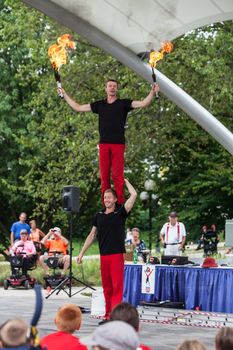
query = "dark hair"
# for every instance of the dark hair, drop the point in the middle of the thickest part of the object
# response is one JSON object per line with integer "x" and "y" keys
{"x": 111, "y": 190}
{"x": 127, "y": 313}
{"x": 115, "y": 81}
{"x": 224, "y": 339}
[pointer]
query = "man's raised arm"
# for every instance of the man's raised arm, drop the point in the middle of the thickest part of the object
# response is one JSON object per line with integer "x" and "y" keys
{"x": 73, "y": 104}
{"x": 148, "y": 99}
{"x": 132, "y": 198}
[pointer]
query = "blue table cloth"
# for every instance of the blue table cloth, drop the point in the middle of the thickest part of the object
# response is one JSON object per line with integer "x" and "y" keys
{"x": 209, "y": 288}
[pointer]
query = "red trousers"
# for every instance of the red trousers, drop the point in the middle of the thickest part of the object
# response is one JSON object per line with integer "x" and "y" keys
{"x": 111, "y": 159}
{"x": 112, "y": 274}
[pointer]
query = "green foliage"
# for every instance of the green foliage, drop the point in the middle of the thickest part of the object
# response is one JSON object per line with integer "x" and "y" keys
{"x": 45, "y": 146}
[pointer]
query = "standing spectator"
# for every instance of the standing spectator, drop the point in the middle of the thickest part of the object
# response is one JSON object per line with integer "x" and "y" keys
{"x": 109, "y": 228}
{"x": 224, "y": 339}
{"x": 173, "y": 235}
{"x": 68, "y": 320}
{"x": 128, "y": 235}
{"x": 129, "y": 314}
{"x": 36, "y": 234}
{"x": 18, "y": 226}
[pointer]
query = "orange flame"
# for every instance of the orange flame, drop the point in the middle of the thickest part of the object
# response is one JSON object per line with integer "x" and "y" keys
{"x": 58, "y": 52}
{"x": 156, "y": 56}
{"x": 167, "y": 46}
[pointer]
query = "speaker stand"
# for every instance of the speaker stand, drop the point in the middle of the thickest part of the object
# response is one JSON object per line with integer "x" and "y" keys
{"x": 67, "y": 282}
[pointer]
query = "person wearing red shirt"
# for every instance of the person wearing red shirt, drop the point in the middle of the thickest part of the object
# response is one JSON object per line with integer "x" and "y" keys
{"x": 68, "y": 320}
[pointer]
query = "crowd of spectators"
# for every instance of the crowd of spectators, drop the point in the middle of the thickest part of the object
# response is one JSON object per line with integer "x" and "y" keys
{"x": 121, "y": 332}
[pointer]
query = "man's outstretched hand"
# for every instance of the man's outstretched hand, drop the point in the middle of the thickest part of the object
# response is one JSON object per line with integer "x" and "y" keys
{"x": 79, "y": 259}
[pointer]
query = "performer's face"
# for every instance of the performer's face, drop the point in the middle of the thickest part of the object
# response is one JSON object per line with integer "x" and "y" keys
{"x": 111, "y": 88}
{"x": 109, "y": 200}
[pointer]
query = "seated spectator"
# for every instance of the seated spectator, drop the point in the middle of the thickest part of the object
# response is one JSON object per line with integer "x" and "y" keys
{"x": 224, "y": 339}
{"x": 55, "y": 243}
{"x": 26, "y": 248}
{"x": 35, "y": 234}
{"x": 13, "y": 333}
{"x": 115, "y": 335}
{"x": 137, "y": 243}
{"x": 129, "y": 314}
{"x": 68, "y": 320}
{"x": 191, "y": 345}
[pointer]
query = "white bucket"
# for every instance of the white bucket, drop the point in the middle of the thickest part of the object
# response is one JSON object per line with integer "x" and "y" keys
{"x": 98, "y": 304}
{"x": 229, "y": 259}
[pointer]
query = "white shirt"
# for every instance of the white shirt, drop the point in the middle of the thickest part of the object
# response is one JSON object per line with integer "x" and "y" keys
{"x": 171, "y": 234}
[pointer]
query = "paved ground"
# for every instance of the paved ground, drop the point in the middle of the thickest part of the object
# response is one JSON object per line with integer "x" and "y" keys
{"x": 20, "y": 303}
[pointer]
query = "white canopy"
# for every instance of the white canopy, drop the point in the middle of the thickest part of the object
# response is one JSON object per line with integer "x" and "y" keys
{"x": 126, "y": 28}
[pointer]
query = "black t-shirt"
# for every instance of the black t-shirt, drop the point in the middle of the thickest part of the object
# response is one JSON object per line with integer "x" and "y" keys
{"x": 112, "y": 119}
{"x": 111, "y": 230}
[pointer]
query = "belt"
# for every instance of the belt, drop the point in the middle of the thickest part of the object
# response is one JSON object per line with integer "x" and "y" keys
{"x": 173, "y": 243}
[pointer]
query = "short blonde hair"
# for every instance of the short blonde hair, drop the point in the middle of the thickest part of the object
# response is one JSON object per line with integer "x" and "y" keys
{"x": 68, "y": 318}
{"x": 191, "y": 345}
{"x": 13, "y": 333}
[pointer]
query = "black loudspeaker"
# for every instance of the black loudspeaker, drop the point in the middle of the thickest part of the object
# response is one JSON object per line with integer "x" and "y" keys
{"x": 70, "y": 198}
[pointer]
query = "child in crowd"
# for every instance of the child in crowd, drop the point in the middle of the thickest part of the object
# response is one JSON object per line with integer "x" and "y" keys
{"x": 67, "y": 320}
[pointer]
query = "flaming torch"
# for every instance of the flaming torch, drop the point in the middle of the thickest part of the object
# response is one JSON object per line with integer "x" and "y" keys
{"x": 58, "y": 55}
{"x": 156, "y": 56}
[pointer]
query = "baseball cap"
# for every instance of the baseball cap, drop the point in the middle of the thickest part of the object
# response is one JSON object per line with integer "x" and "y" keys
{"x": 209, "y": 262}
{"x": 23, "y": 231}
{"x": 173, "y": 214}
{"x": 13, "y": 333}
{"x": 57, "y": 229}
{"x": 115, "y": 335}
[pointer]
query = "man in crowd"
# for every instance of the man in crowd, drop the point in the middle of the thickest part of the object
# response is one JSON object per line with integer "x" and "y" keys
{"x": 112, "y": 113}
{"x": 18, "y": 226}
{"x": 115, "y": 335}
{"x": 129, "y": 314}
{"x": 56, "y": 244}
{"x": 26, "y": 248}
{"x": 109, "y": 228}
{"x": 173, "y": 235}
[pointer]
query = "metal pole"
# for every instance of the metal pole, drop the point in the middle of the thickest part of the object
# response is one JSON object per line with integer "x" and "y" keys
{"x": 150, "y": 221}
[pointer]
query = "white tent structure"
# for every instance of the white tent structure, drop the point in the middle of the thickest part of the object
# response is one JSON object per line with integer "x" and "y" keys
{"x": 126, "y": 28}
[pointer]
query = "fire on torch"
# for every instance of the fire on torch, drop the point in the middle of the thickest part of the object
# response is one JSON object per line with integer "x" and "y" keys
{"x": 156, "y": 56}
{"x": 58, "y": 54}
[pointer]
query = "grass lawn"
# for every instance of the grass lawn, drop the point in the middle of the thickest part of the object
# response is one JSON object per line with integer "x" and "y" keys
{"x": 88, "y": 271}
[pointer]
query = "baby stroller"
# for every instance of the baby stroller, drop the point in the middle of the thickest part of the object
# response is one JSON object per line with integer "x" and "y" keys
{"x": 18, "y": 278}
{"x": 210, "y": 241}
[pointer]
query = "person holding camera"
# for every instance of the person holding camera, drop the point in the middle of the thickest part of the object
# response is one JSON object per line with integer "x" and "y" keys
{"x": 57, "y": 244}
{"x": 173, "y": 235}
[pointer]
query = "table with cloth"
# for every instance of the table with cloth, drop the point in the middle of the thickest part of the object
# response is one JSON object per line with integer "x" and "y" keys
{"x": 211, "y": 289}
